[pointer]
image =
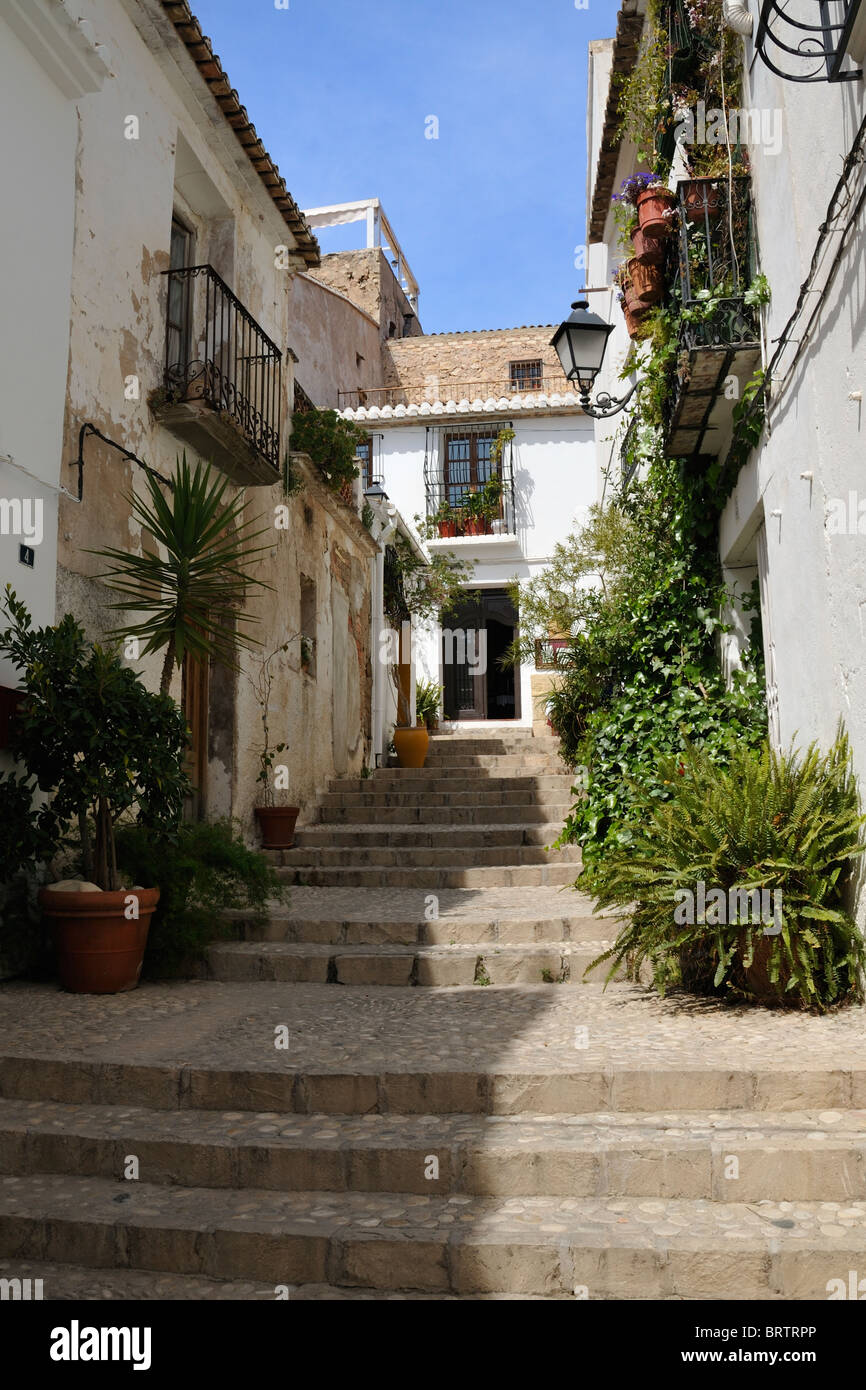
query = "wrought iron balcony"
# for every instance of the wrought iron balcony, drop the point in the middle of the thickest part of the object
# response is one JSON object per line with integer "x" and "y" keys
{"x": 469, "y": 480}
{"x": 712, "y": 266}
{"x": 222, "y": 384}
{"x": 809, "y": 40}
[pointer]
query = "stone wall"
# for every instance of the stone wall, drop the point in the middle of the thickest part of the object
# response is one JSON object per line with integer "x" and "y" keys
{"x": 466, "y": 358}
{"x": 366, "y": 277}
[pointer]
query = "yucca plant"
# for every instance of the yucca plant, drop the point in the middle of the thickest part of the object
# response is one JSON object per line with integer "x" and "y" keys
{"x": 194, "y": 597}
{"x": 782, "y": 823}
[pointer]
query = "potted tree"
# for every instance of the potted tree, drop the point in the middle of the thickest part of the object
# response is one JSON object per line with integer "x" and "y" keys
{"x": 102, "y": 747}
{"x": 276, "y": 823}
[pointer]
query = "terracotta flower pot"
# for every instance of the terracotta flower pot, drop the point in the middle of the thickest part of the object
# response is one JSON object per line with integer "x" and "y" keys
{"x": 277, "y": 825}
{"x": 411, "y": 746}
{"x": 447, "y": 528}
{"x": 634, "y": 313}
{"x": 476, "y": 526}
{"x": 655, "y": 211}
{"x": 99, "y": 947}
{"x": 649, "y": 250}
{"x": 702, "y": 197}
{"x": 646, "y": 282}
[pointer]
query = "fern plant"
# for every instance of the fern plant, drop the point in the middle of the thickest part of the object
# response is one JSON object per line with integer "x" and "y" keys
{"x": 784, "y": 823}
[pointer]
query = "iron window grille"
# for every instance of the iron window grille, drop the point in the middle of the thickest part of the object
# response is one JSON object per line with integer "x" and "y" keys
{"x": 810, "y": 37}
{"x": 217, "y": 354}
{"x": 526, "y": 376}
{"x": 458, "y": 461}
{"x": 368, "y": 458}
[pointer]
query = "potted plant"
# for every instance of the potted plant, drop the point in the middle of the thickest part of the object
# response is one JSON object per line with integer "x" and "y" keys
{"x": 702, "y": 199}
{"x": 653, "y": 201}
{"x": 649, "y": 250}
{"x": 410, "y": 741}
{"x": 276, "y": 823}
{"x": 475, "y": 515}
{"x": 445, "y": 519}
{"x": 646, "y": 281}
{"x": 102, "y": 747}
{"x": 428, "y": 697}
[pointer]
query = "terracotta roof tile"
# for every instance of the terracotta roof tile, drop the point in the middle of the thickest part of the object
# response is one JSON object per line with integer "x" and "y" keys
{"x": 199, "y": 47}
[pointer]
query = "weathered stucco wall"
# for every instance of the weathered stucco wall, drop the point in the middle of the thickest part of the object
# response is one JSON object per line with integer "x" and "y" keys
{"x": 127, "y": 191}
{"x": 336, "y": 343}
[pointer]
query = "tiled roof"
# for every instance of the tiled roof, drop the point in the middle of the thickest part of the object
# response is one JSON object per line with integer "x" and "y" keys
{"x": 532, "y": 401}
{"x": 211, "y": 69}
{"x": 470, "y": 332}
{"x": 629, "y": 27}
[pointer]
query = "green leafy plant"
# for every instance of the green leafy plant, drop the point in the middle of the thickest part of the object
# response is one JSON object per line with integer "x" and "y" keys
{"x": 331, "y": 442}
{"x": 203, "y": 869}
{"x": 778, "y": 822}
{"x": 194, "y": 597}
{"x": 428, "y": 696}
{"x": 91, "y": 737}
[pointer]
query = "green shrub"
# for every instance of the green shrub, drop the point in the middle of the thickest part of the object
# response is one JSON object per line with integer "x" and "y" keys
{"x": 201, "y": 871}
{"x": 331, "y": 443}
{"x": 784, "y": 823}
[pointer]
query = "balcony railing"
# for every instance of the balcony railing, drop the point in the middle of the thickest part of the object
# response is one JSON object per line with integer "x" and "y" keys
{"x": 458, "y": 461}
{"x": 218, "y": 358}
{"x": 808, "y": 40}
{"x": 447, "y": 390}
{"x": 712, "y": 267}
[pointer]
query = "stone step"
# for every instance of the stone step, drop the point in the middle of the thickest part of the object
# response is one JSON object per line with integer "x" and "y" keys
{"x": 411, "y": 855}
{"x": 595, "y": 1247}
{"x": 483, "y": 765}
{"x": 420, "y": 781}
{"x": 519, "y": 813}
{"x": 365, "y": 835}
{"x": 67, "y": 1282}
{"x": 798, "y": 1156}
{"x": 395, "y": 965}
{"x": 476, "y": 802}
{"x": 564, "y": 1082}
{"x": 504, "y": 742}
{"x": 429, "y": 879}
{"x": 441, "y": 931}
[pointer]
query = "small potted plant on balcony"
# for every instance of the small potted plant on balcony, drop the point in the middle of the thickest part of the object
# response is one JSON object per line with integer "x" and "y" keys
{"x": 102, "y": 747}
{"x": 646, "y": 282}
{"x": 445, "y": 519}
{"x": 276, "y": 822}
{"x": 634, "y": 310}
{"x": 476, "y": 522}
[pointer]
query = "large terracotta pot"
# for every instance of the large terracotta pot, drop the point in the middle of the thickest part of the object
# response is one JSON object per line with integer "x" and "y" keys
{"x": 447, "y": 528}
{"x": 649, "y": 250}
{"x": 99, "y": 949}
{"x": 646, "y": 282}
{"x": 476, "y": 526}
{"x": 702, "y": 196}
{"x": 277, "y": 825}
{"x": 655, "y": 211}
{"x": 411, "y": 746}
{"x": 633, "y": 317}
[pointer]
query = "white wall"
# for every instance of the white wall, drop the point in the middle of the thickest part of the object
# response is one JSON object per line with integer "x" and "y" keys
{"x": 36, "y": 243}
{"x": 555, "y": 481}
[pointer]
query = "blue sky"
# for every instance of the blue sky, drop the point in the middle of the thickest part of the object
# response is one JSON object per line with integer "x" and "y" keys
{"x": 489, "y": 213}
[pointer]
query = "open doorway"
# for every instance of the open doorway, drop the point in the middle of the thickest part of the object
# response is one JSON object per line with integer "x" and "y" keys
{"x": 474, "y": 638}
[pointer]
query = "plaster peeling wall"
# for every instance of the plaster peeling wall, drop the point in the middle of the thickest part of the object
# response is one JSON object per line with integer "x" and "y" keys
{"x": 329, "y": 335}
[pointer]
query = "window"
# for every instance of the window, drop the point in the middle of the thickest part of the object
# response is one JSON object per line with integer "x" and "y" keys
{"x": 368, "y": 461}
{"x": 468, "y": 464}
{"x": 178, "y": 327}
{"x": 526, "y": 376}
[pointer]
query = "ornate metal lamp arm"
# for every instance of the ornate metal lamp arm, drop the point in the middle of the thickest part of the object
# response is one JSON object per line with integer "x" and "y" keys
{"x": 605, "y": 404}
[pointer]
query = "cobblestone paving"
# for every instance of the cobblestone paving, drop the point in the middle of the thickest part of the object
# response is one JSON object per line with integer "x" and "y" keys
{"x": 512, "y": 1028}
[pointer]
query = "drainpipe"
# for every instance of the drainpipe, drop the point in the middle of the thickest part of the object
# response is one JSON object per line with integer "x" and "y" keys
{"x": 737, "y": 16}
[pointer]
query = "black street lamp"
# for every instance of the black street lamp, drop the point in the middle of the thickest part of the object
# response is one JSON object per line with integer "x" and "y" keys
{"x": 580, "y": 343}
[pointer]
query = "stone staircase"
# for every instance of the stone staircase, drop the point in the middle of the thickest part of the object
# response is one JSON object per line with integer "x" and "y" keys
{"x": 516, "y": 1141}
